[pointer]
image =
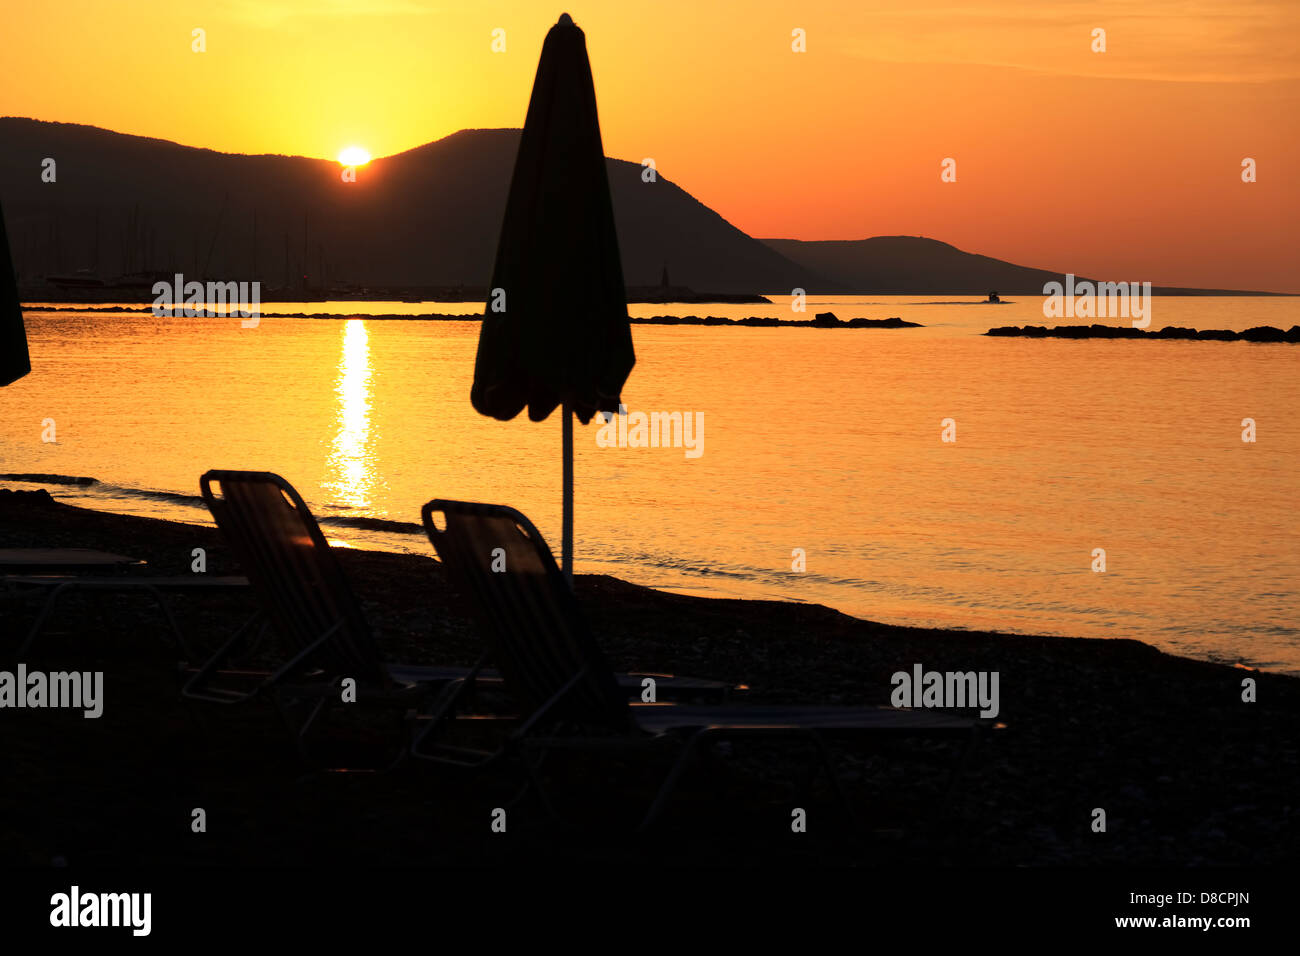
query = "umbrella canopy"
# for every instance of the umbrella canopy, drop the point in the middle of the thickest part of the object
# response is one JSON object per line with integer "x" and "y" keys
{"x": 14, "y": 361}
{"x": 563, "y": 336}
{"x": 557, "y": 332}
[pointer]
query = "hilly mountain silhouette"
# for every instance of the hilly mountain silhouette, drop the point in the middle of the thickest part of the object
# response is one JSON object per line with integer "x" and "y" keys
{"x": 426, "y": 217}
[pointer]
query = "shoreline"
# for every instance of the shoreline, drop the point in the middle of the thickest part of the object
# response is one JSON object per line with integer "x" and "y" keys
{"x": 117, "y": 527}
{"x": 424, "y": 551}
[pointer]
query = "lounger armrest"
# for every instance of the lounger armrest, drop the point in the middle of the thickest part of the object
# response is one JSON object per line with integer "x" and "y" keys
{"x": 303, "y": 658}
{"x": 556, "y": 698}
{"x": 196, "y": 686}
{"x": 446, "y": 701}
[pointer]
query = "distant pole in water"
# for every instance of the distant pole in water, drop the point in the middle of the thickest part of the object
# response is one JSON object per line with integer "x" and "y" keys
{"x": 221, "y": 214}
{"x": 133, "y": 251}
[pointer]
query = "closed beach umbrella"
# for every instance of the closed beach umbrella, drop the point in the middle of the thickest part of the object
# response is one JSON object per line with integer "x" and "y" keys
{"x": 14, "y": 361}
{"x": 555, "y": 331}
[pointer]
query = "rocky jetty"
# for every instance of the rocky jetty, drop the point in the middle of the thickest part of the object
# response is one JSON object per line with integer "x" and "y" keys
{"x": 1262, "y": 333}
{"x": 823, "y": 320}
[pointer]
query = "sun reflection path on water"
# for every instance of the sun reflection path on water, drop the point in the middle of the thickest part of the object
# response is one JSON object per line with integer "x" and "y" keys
{"x": 350, "y": 470}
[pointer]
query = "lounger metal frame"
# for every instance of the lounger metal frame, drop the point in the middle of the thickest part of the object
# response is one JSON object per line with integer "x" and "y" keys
{"x": 548, "y": 658}
{"x": 308, "y": 603}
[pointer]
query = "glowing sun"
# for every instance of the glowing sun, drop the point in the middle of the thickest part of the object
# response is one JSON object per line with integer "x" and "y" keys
{"x": 354, "y": 156}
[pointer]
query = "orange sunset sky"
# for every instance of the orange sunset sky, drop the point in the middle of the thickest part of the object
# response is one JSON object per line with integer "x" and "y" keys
{"x": 1124, "y": 164}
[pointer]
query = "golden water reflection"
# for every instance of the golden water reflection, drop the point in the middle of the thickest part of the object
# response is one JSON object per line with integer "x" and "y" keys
{"x": 350, "y": 470}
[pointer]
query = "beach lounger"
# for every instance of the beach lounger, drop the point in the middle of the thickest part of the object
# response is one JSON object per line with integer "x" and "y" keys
{"x": 308, "y": 603}
{"x": 55, "y": 573}
{"x": 551, "y": 663}
{"x": 56, "y": 586}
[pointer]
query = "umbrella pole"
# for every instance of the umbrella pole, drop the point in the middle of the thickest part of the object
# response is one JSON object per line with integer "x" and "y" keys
{"x": 567, "y": 533}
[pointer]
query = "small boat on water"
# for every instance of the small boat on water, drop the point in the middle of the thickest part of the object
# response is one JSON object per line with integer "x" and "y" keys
{"x": 81, "y": 279}
{"x": 89, "y": 279}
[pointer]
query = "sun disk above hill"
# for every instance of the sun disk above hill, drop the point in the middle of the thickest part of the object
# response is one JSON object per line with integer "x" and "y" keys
{"x": 354, "y": 156}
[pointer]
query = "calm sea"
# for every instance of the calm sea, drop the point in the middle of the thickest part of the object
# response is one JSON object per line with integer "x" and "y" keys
{"x": 818, "y": 440}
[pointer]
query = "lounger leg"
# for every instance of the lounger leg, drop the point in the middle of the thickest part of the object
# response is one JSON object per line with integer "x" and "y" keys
{"x": 264, "y": 626}
{"x": 297, "y": 730}
{"x": 108, "y": 623}
{"x": 317, "y": 711}
{"x": 442, "y": 707}
{"x": 196, "y": 716}
{"x": 959, "y": 768}
{"x": 670, "y": 782}
{"x": 836, "y": 784}
{"x": 194, "y": 686}
{"x": 317, "y": 716}
{"x": 182, "y": 647}
{"x": 402, "y": 750}
{"x": 303, "y": 731}
{"x": 527, "y": 788}
{"x": 41, "y": 618}
{"x": 534, "y": 783}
